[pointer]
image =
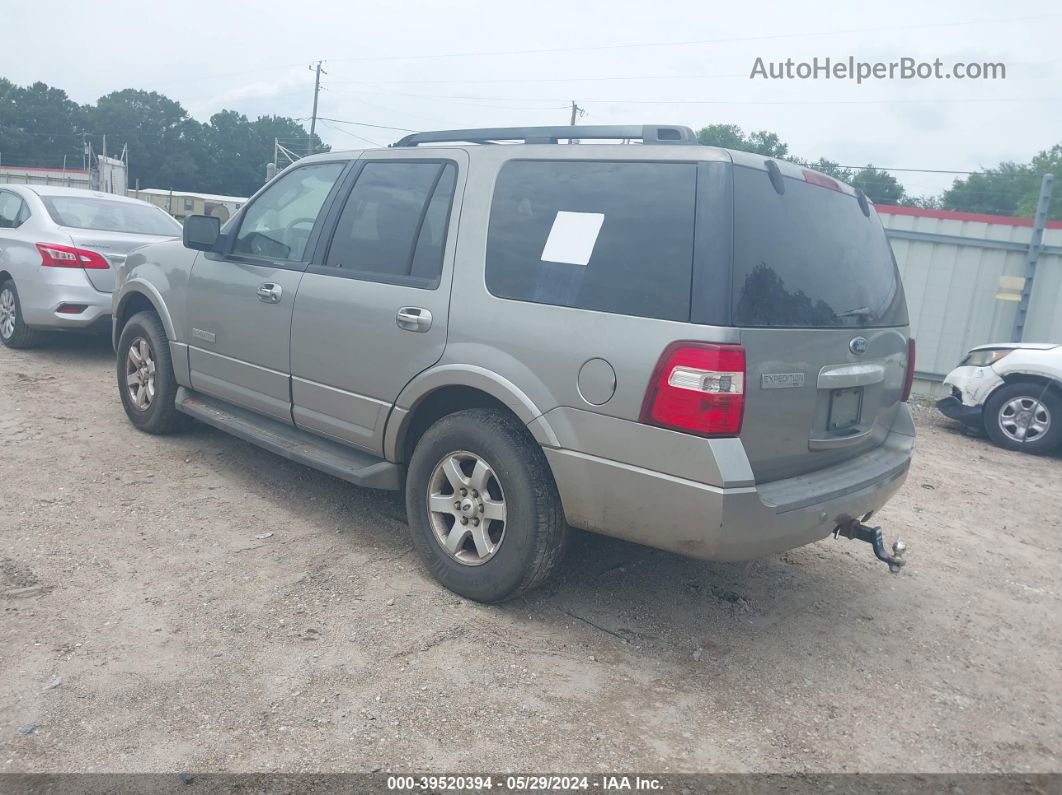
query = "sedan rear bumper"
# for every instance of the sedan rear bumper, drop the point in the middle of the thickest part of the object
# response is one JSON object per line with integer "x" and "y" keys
{"x": 56, "y": 288}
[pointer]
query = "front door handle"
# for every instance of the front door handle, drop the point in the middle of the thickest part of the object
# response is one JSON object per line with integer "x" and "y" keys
{"x": 270, "y": 293}
{"x": 413, "y": 318}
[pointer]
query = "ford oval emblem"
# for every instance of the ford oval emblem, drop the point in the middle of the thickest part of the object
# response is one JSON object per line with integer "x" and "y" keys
{"x": 858, "y": 345}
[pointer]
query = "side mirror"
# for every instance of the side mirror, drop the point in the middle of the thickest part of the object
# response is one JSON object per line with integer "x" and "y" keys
{"x": 201, "y": 232}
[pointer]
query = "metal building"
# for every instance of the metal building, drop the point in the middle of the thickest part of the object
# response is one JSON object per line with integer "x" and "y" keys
{"x": 964, "y": 274}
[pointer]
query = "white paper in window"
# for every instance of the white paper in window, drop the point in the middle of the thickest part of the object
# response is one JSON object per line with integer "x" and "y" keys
{"x": 572, "y": 238}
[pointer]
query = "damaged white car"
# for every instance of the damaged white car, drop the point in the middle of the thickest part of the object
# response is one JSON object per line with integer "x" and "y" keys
{"x": 1011, "y": 390}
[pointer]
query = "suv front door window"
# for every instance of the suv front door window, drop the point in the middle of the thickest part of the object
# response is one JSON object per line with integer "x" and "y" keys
{"x": 278, "y": 224}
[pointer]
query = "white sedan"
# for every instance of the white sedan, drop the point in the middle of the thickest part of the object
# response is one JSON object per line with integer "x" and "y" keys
{"x": 1013, "y": 391}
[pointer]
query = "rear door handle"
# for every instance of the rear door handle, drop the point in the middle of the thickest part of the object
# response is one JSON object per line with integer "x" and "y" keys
{"x": 413, "y": 318}
{"x": 270, "y": 293}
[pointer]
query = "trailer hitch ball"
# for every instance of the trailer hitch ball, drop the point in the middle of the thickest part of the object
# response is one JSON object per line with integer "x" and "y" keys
{"x": 855, "y": 529}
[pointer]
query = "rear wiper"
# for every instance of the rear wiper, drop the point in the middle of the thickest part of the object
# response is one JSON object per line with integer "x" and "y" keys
{"x": 862, "y": 311}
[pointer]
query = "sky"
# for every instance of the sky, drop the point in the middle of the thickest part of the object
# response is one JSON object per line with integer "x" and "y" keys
{"x": 466, "y": 63}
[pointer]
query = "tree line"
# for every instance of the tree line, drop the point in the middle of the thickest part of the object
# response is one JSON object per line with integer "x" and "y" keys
{"x": 41, "y": 126}
{"x": 167, "y": 148}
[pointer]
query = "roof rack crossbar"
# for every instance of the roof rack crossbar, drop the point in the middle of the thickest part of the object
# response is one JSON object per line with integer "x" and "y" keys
{"x": 647, "y": 133}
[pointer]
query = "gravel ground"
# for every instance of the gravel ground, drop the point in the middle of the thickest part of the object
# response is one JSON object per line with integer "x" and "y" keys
{"x": 193, "y": 603}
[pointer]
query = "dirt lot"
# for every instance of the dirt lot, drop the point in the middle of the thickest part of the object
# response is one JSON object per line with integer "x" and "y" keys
{"x": 148, "y": 625}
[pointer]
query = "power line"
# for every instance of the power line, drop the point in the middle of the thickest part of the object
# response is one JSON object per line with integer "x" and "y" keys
{"x": 727, "y": 40}
{"x": 444, "y": 97}
{"x": 366, "y": 124}
{"x": 352, "y": 135}
{"x": 540, "y": 79}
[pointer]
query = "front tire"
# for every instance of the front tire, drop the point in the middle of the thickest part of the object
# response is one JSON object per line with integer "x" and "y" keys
{"x": 1024, "y": 417}
{"x": 483, "y": 508}
{"x": 145, "y": 375}
{"x": 14, "y": 333}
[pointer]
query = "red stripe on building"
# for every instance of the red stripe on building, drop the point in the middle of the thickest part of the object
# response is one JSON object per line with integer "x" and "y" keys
{"x": 952, "y": 215}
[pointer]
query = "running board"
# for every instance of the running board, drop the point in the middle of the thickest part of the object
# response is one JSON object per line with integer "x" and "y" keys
{"x": 355, "y": 466}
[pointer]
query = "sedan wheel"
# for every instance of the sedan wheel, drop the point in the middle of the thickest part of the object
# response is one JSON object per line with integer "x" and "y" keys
{"x": 7, "y": 313}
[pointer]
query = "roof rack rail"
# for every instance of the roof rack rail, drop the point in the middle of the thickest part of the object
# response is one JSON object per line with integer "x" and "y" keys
{"x": 648, "y": 133}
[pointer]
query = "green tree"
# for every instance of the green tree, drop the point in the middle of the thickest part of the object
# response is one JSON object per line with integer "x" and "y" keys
{"x": 881, "y": 187}
{"x": 730, "y": 136}
{"x": 235, "y": 150}
{"x": 998, "y": 190}
{"x": 165, "y": 143}
{"x": 39, "y": 126}
{"x": 1048, "y": 161}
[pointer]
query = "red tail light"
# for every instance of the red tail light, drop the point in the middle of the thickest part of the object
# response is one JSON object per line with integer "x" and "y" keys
{"x": 697, "y": 387}
{"x": 54, "y": 256}
{"x": 821, "y": 180}
{"x": 908, "y": 381}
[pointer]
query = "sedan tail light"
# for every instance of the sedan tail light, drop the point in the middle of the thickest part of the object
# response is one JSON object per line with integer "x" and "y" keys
{"x": 699, "y": 388}
{"x": 55, "y": 256}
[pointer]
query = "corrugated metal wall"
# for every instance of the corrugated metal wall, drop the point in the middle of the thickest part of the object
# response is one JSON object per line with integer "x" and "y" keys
{"x": 951, "y": 264}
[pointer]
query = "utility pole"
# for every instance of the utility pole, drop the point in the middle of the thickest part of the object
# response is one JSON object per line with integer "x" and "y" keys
{"x": 576, "y": 110}
{"x": 316, "y": 90}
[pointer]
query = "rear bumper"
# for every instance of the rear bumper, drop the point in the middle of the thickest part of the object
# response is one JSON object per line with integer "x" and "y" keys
{"x": 52, "y": 288}
{"x": 714, "y": 523}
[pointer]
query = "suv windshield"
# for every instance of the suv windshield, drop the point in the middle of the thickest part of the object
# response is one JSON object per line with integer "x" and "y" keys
{"x": 109, "y": 216}
{"x": 809, "y": 258}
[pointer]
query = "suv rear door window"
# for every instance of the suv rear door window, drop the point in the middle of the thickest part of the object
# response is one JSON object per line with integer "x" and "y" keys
{"x": 608, "y": 236}
{"x": 809, "y": 258}
{"x": 393, "y": 226}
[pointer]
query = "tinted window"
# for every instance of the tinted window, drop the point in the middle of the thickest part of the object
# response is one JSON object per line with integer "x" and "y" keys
{"x": 11, "y": 211}
{"x": 278, "y": 223}
{"x": 393, "y": 225}
{"x": 613, "y": 237}
{"x": 109, "y": 216}
{"x": 809, "y": 258}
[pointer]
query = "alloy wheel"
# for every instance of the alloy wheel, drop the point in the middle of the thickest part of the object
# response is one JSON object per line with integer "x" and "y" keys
{"x": 8, "y": 313}
{"x": 140, "y": 374}
{"x": 466, "y": 508}
{"x": 1024, "y": 419}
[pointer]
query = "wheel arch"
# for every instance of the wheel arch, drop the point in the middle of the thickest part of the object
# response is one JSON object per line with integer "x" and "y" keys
{"x": 444, "y": 390}
{"x": 140, "y": 297}
{"x": 1054, "y": 385}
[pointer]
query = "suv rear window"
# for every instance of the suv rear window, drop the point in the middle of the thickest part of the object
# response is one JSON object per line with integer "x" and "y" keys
{"x": 809, "y": 258}
{"x": 608, "y": 236}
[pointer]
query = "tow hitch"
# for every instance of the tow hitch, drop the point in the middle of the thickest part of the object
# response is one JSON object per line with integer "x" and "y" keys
{"x": 872, "y": 535}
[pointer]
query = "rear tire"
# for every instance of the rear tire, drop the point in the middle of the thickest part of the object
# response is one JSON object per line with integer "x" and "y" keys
{"x": 145, "y": 375}
{"x": 478, "y": 465}
{"x": 14, "y": 333}
{"x": 1024, "y": 417}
